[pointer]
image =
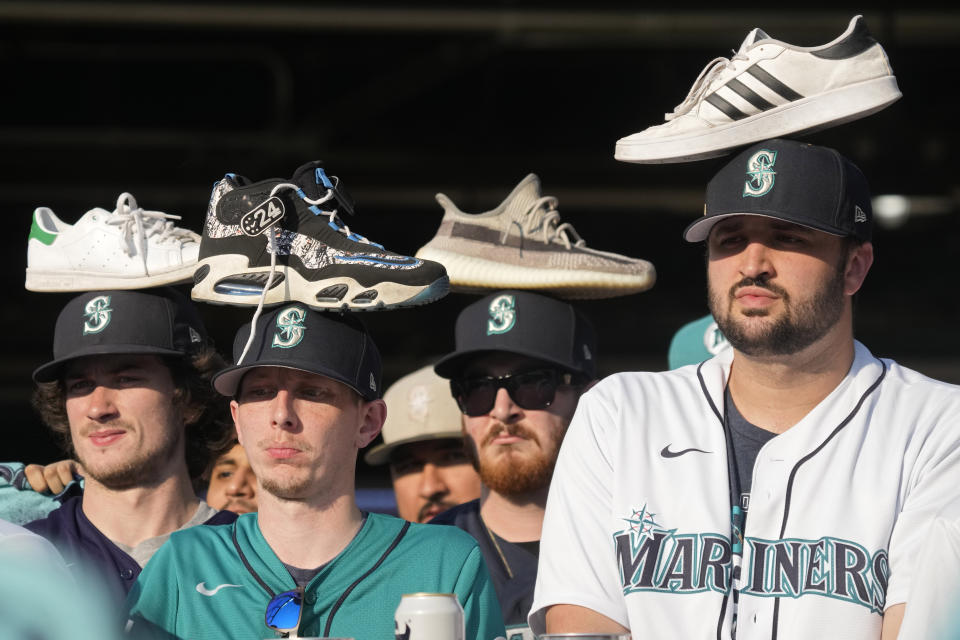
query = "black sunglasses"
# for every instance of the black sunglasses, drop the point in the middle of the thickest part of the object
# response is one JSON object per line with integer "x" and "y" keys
{"x": 284, "y": 610}
{"x": 530, "y": 390}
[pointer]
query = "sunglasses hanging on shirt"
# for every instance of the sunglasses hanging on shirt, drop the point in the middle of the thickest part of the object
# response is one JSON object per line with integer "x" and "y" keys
{"x": 284, "y": 611}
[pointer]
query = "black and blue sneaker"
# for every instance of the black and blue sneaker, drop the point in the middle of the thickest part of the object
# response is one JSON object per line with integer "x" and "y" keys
{"x": 278, "y": 241}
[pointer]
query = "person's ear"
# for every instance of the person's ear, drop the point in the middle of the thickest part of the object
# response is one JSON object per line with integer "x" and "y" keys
{"x": 372, "y": 416}
{"x": 858, "y": 264}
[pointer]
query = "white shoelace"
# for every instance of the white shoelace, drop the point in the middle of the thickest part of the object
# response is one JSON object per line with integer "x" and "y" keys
{"x": 700, "y": 86}
{"x": 137, "y": 225}
{"x": 543, "y": 216}
{"x": 272, "y": 249}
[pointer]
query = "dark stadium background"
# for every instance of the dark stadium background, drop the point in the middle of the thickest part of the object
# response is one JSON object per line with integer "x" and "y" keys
{"x": 404, "y": 100}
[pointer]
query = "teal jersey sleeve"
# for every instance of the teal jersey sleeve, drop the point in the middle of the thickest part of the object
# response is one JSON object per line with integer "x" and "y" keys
{"x": 481, "y": 609}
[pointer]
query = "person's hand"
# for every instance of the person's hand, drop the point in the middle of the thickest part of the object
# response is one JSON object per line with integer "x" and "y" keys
{"x": 52, "y": 478}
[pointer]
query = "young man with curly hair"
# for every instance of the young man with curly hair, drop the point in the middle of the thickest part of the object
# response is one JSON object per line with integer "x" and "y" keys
{"x": 128, "y": 391}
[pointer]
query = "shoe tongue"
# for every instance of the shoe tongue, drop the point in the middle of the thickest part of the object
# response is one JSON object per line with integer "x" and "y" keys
{"x": 753, "y": 36}
{"x": 315, "y": 182}
{"x": 309, "y": 177}
{"x": 523, "y": 196}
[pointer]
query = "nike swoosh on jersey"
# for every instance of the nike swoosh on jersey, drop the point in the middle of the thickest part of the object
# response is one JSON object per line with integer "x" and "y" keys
{"x": 202, "y": 588}
{"x": 666, "y": 453}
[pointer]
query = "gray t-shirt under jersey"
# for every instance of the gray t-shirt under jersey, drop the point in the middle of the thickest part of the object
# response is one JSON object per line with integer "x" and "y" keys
{"x": 747, "y": 441}
{"x": 145, "y": 550}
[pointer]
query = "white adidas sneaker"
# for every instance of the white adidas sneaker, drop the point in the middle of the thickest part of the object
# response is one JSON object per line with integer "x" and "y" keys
{"x": 127, "y": 248}
{"x": 522, "y": 244}
{"x": 770, "y": 89}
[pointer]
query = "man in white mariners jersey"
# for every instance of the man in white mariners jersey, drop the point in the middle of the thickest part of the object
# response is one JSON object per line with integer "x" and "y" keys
{"x": 843, "y": 459}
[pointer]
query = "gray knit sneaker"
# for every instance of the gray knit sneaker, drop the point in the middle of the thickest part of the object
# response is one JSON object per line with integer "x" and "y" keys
{"x": 522, "y": 244}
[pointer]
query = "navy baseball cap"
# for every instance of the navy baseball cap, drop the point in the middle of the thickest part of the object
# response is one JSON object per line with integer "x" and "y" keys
{"x": 805, "y": 184}
{"x": 296, "y": 337}
{"x": 527, "y": 324}
{"x": 160, "y": 322}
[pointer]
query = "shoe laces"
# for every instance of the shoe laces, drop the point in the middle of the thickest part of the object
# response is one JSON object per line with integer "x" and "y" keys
{"x": 542, "y": 217}
{"x": 702, "y": 84}
{"x": 272, "y": 248}
{"x": 335, "y": 222}
{"x": 138, "y": 225}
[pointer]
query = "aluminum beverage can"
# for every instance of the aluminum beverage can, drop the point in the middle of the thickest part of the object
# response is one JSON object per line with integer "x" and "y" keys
{"x": 429, "y": 616}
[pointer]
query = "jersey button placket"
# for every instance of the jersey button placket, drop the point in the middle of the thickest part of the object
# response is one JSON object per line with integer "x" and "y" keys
{"x": 310, "y": 598}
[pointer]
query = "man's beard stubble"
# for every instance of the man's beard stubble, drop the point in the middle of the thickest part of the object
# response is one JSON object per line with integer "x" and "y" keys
{"x": 139, "y": 471}
{"x": 512, "y": 473}
{"x": 797, "y": 328}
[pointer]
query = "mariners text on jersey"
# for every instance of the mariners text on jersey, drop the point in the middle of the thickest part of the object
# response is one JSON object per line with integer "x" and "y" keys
{"x": 638, "y": 521}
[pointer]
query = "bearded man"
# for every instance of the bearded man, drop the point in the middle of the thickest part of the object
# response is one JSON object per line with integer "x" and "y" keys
{"x": 521, "y": 362}
{"x": 782, "y": 489}
{"x": 129, "y": 395}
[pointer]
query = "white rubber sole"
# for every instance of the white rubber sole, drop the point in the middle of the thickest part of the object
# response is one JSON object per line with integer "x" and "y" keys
{"x": 475, "y": 275}
{"x": 801, "y": 116}
{"x": 62, "y": 281}
{"x": 294, "y": 288}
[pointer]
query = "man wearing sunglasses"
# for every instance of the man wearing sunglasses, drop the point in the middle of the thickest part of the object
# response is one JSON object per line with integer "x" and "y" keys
{"x": 306, "y": 398}
{"x": 521, "y": 362}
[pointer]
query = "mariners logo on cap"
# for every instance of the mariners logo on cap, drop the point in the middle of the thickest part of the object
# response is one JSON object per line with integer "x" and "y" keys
{"x": 290, "y": 327}
{"x": 503, "y": 314}
{"x": 418, "y": 403}
{"x": 760, "y": 173}
{"x": 98, "y": 315}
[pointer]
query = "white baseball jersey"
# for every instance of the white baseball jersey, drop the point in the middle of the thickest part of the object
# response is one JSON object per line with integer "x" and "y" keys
{"x": 638, "y": 523}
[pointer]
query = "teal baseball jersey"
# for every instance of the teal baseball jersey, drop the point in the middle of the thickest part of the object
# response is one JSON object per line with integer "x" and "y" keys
{"x": 198, "y": 586}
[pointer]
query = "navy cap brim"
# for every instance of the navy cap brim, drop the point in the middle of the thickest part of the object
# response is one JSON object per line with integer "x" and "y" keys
{"x": 227, "y": 381}
{"x": 51, "y": 371}
{"x": 699, "y": 230}
{"x": 452, "y": 365}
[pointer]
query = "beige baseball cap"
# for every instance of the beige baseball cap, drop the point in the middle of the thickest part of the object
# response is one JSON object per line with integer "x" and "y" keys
{"x": 419, "y": 407}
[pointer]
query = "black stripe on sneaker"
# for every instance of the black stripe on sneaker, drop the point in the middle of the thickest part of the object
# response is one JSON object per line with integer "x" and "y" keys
{"x": 749, "y": 95}
{"x": 773, "y": 83}
{"x": 728, "y": 109}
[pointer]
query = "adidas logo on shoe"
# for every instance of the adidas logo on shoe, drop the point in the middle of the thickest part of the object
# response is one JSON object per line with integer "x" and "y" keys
{"x": 127, "y": 248}
{"x": 283, "y": 240}
{"x": 523, "y": 245}
{"x": 770, "y": 89}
